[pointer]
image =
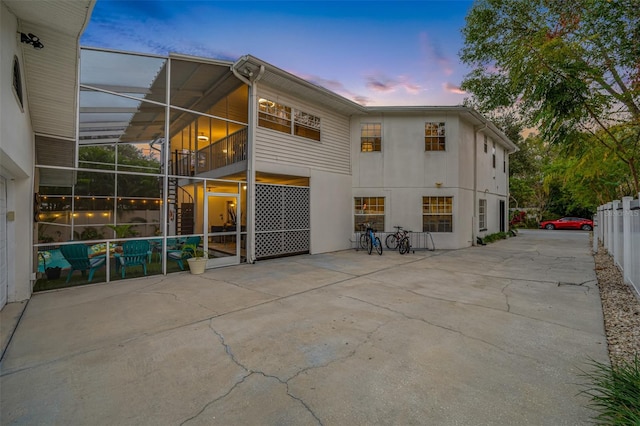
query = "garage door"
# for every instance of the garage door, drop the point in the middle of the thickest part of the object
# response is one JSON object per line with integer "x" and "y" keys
{"x": 4, "y": 278}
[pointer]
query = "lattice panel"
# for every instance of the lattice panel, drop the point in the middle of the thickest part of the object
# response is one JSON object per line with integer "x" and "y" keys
{"x": 268, "y": 208}
{"x": 283, "y": 220}
{"x": 296, "y": 208}
{"x": 272, "y": 244}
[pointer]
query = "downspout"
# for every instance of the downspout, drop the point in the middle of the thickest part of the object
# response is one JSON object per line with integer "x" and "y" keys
{"x": 474, "y": 218}
{"x": 251, "y": 176}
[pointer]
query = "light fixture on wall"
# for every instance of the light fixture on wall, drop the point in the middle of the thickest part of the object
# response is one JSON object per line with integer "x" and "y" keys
{"x": 203, "y": 138}
{"x": 32, "y": 40}
{"x": 438, "y": 184}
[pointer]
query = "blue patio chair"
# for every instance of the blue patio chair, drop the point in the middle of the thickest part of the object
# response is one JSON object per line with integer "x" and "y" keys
{"x": 179, "y": 256}
{"x": 78, "y": 257}
{"x": 134, "y": 252}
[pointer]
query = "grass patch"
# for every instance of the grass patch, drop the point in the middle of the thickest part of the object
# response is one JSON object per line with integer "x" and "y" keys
{"x": 615, "y": 392}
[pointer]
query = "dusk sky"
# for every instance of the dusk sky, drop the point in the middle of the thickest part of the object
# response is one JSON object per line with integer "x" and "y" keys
{"x": 372, "y": 52}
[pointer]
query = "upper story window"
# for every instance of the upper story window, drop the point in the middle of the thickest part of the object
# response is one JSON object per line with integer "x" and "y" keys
{"x": 493, "y": 153}
{"x": 485, "y": 144}
{"x": 371, "y": 137}
{"x": 306, "y": 125}
{"x": 275, "y": 116}
{"x": 17, "y": 81}
{"x": 504, "y": 161}
{"x": 434, "y": 137}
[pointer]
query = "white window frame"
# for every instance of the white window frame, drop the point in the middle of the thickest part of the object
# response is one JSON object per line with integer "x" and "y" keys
{"x": 296, "y": 122}
{"x": 435, "y": 136}
{"x": 441, "y": 209}
{"x": 369, "y": 210}
{"x": 371, "y": 135}
{"x": 482, "y": 214}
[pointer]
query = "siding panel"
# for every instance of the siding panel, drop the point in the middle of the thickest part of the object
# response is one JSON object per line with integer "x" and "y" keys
{"x": 331, "y": 154}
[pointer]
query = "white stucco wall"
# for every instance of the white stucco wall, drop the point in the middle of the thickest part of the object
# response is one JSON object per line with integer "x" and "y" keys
{"x": 331, "y": 206}
{"x": 403, "y": 172}
{"x": 16, "y": 162}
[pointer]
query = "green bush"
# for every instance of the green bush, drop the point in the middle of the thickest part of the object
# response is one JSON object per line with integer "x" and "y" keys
{"x": 615, "y": 392}
{"x": 495, "y": 237}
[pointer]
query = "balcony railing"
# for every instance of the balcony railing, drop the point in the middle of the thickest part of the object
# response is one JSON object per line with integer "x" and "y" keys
{"x": 221, "y": 153}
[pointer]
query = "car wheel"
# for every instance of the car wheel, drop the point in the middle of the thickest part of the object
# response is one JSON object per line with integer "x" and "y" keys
{"x": 586, "y": 227}
{"x": 550, "y": 226}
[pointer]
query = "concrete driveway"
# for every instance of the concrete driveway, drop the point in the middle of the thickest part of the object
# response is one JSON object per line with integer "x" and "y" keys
{"x": 493, "y": 335}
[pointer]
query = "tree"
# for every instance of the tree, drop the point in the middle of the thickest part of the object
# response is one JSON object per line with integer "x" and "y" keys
{"x": 569, "y": 67}
{"x": 528, "y": 184}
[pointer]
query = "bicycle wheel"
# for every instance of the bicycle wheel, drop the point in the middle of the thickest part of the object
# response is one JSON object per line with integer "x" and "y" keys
{"x": 404, "y": 246}
{"x": 364, "y": 241}
{"x": 379, "y": 246}
{"x": 391, "y": 241}
{"x": 369, "y": 245}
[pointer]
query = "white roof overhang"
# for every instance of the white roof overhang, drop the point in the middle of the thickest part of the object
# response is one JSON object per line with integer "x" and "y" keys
{"x": 51, "y": 73}
{"x": 250, "y": 68}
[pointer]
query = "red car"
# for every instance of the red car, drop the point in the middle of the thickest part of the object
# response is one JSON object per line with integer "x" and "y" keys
{"x": 568, "y": 223}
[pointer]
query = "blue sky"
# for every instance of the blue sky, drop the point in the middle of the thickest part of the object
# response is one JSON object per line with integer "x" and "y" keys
{"x": 373, "y": 52}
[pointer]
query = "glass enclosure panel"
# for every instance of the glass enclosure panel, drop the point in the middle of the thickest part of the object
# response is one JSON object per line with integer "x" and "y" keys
{"x": 133, "y": 75}
{"x": 107, "y": 120}
{"x": 68, "y": 264}
{"x": 90, "y": 185}
{"x": 139, "y": 157}
{"x": 192, "y": 84}
{"x": 185, "y": 205}
{"x": 96, "y": 157}
{"x": 132, "y": 258}
{"x": 200, "y": 144}
{"x": 222, "y": 222}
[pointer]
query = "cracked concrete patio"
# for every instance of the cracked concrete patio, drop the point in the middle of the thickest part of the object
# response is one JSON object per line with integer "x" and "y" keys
{"x": 487, "y": 335}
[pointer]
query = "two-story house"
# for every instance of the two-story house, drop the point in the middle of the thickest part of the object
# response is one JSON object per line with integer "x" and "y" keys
{"x": 251, "y": 161}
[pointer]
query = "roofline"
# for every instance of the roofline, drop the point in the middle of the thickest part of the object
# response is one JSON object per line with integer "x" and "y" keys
{"x": 471, "y": 114}
{"x": 241, "y": 67}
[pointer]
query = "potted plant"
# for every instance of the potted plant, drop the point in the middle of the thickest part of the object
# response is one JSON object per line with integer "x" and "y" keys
{"x": 196, "y": 257}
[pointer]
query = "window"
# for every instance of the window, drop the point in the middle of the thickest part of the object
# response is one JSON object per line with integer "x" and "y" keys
{"x": 493, "y": 153}
{"x": 371, "y": 137}
{"x": 437, "y": 214}
{"x": 434, "y": 137}
{"x": 275, "y": 116}
{"x": 306, "y": 125}
{"x": 504, "y": 161}
{"x": 17, "y": 81}
{"x": 485, "y": 144}
{"x": 482, "y": 214}
{"x": 368, "y": 210}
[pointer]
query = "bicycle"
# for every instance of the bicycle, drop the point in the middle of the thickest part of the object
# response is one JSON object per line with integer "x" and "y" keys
{"x": 404, "y": 246}
{"x": 369, "y": 240}
{"x": 394, "y": 239}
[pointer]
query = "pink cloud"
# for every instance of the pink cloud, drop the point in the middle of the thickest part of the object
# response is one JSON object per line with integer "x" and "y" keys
{"x": 385, "y": 84}
{"x": 452, "y": 88}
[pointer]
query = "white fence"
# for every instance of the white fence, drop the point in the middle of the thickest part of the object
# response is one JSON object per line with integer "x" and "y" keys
{"x": 618, "y": 228}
